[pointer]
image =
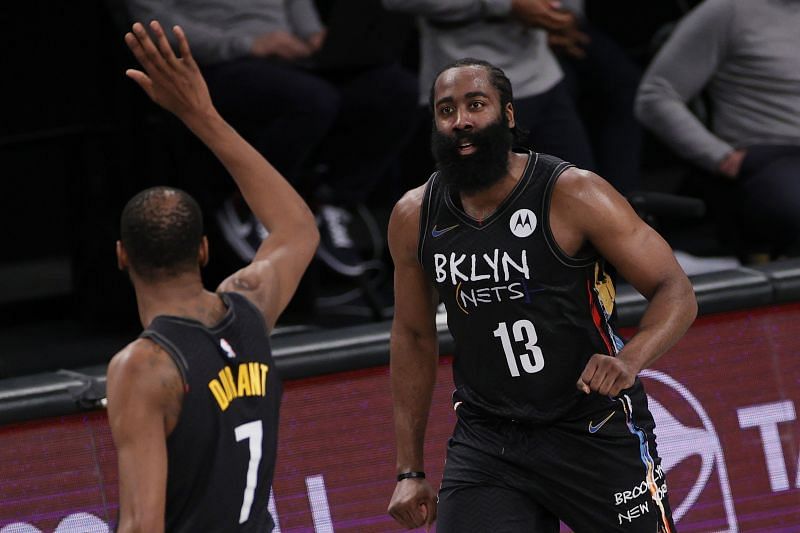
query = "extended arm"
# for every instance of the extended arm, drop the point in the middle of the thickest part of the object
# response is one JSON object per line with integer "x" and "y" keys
{"x": 586, "y": 208}
{"x": 177, "y": 85}
{"x": 414, "y": 360}
{"x": 680, "y": 70}
{"x": 145, "y": 392}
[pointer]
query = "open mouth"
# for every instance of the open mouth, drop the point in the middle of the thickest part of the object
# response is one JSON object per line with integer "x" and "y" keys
{"x": 466, "y": 148}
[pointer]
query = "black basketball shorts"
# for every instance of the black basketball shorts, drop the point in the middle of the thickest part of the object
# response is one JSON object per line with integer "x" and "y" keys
{"x": 597, "y": 472}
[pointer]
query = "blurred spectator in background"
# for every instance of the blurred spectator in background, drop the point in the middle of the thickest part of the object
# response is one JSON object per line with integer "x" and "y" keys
{"x": 272, "y": 75}
{"x": 511, "y": 35}
{"x": 743, "y": 58}
{"x": 602, "y": 80}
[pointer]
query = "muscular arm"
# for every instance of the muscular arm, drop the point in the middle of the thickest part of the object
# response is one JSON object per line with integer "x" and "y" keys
{"x": 414, "y": 360}
{"x": 177, "y": 85}
{"x": 145, "y": 391}
{"x": 683, "y": 66}
{"x": 585, "y": 208}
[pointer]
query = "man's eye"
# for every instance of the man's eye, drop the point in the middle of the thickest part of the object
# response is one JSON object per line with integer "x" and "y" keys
{"x": 476, "y": 105}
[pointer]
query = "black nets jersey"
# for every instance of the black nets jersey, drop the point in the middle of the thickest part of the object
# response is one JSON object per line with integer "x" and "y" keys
{"x": 221, "y": 454}
{"x": 525, "y": 317}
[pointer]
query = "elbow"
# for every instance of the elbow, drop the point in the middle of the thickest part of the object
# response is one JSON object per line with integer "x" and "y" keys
{"x": 307, "y": 236}
{"x": 642, "y": 106}
{"x": 693, "y": 307}
{"x": 313, "y": 238}
{"x": 688, "y": 299}
{"x": 311, "y": 231}
{"x": 650, "y": 98}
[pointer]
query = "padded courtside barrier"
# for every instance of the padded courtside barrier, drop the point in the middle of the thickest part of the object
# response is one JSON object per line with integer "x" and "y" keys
{"x": 320, "y": 352}
{"x": 784, "y": 277}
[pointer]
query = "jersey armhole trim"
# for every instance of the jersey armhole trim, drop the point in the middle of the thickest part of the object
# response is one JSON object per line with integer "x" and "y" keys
{"x": 555, "y": 249}
{"x": 424, "y": 215}
{"x": 174, "y": 353}
{"x": 228, "y": 298}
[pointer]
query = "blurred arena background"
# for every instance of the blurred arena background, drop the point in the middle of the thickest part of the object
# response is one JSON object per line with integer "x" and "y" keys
{"x": 77, "y": 139}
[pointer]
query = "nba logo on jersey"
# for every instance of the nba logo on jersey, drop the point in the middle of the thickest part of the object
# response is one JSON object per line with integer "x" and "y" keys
{"x": 522, "y": 223}
{"x": 227, "y": 348}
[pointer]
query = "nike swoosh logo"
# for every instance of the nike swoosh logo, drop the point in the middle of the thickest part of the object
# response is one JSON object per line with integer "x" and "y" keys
{"x": 595, "y": 429}
{"x": 439, "y": 232}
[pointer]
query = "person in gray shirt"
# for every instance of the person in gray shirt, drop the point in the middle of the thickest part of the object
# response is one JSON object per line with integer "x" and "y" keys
{"x": 510, "y": 34}
{"x": 259, "y": 60}
{"x": 745, "y": 56}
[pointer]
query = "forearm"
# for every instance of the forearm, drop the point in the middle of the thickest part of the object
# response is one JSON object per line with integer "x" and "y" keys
{"x": 451, "y": 10}
{"x": 682, "y": 68}
{"x": 662, "y": 111}
{"x": 414, "y": 362}
{"x": 670, "y": 312}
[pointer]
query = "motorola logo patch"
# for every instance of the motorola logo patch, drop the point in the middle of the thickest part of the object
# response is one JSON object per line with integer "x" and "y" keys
{"x": 522, "y": 223}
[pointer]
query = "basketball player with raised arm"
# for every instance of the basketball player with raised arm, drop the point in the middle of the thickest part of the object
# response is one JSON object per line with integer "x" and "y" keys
{"x": 193, "y": 402}
{"x": 552, "y": 421}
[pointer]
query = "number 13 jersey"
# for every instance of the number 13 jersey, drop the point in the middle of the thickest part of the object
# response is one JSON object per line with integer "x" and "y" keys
{"x": 525, "y": 317}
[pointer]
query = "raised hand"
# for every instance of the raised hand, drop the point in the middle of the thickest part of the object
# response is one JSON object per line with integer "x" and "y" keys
{"x": 175, "y": 83}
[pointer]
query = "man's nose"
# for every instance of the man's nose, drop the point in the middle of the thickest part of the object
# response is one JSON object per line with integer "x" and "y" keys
{"x": 463, "y": 121}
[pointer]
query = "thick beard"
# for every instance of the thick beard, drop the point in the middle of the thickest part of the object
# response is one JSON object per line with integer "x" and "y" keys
{"x": 477, "y": 171}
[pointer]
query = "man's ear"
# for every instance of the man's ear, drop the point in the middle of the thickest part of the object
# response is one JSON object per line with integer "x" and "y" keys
{"x": 122, "y": 257}
{"x": 509, "y": 111}
{"x": 202, "y": 252}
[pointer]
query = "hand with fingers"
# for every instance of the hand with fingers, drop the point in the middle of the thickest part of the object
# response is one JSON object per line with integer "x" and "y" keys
{"x": 731, "y": 164}
{"x": 413, "y": 503}
{"x": 606, "y": 375}
{"x": 173, "y": 82}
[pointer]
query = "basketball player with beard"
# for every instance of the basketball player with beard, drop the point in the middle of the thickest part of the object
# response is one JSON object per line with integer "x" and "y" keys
{"x": 552, "y": 422}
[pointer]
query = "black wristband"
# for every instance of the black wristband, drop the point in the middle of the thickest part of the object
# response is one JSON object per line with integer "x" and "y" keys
{"x": 409, "y": 475}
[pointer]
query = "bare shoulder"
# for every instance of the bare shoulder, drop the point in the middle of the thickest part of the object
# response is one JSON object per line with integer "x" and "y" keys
{"x": 140, "y": 362}
{"x": 577, "y": 187}
{"x": 408, "y": 207}
{"x": 588, "y": 201}
{"x": 404, "y": 222}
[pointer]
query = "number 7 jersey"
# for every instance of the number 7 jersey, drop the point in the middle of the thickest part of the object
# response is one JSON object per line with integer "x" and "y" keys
{"x": 221, "y": 454}
{"x": 525, "y": 317}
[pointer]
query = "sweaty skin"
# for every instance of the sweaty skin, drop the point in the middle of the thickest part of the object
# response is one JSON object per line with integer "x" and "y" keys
{"x": 585, "y": 211}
